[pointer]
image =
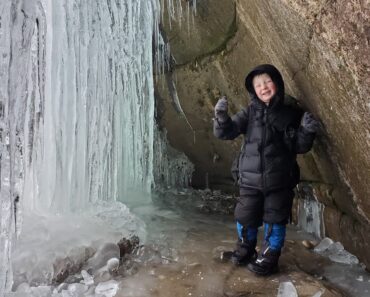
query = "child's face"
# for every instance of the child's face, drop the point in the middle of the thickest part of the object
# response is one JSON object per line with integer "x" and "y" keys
{"x": 264, "y": 87}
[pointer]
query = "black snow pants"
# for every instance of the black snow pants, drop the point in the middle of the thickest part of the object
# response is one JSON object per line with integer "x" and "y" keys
{"x": 255, "y": 207}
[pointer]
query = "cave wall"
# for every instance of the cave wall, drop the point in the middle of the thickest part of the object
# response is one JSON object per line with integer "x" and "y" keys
{"x": 322, "y": 49}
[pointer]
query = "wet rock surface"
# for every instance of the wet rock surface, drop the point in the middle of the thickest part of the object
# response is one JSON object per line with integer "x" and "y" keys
{"x": 206, "y": 31}
{"x": 64, "y": 267}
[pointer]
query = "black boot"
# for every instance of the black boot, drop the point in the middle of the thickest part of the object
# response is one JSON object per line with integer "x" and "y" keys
{"x": 266, "y": 263}
{"x": 244, "y": 253}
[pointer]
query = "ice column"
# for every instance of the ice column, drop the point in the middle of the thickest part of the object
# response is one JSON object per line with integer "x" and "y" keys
{"x": 310, "y": 212}
{"x": 22, "y": 26}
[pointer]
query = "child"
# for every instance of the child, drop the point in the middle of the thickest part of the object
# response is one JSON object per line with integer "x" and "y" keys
{"x": 273, "y": 135}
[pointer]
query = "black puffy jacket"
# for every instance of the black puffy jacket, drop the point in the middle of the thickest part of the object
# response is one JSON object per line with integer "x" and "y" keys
{"x": 273, "y": 137}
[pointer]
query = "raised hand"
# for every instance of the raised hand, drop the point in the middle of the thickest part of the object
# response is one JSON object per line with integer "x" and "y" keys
{"x": 221, "y": 109}
{"x": 309, "y": 123}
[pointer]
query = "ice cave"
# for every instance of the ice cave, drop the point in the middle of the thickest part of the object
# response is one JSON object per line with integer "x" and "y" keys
{"x": 111, "y": 184}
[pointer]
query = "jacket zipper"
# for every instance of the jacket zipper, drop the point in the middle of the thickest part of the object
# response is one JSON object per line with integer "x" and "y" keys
{"x": 263, "y": 147}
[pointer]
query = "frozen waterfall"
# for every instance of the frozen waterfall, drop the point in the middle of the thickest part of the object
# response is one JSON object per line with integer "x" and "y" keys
{"x": 76, "y": 107}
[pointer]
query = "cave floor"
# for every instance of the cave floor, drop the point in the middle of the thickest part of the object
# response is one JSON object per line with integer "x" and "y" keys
{"x": 179, "y": 255}
{"x": 196, "y": 269}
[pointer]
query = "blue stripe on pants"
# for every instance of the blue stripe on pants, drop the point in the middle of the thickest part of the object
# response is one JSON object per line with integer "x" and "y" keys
{"x": 276, "y": 237}
{"x": 251, "y": 233}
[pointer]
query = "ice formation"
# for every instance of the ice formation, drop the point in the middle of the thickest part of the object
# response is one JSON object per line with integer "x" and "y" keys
{"x": 335, "y": 251}
{"x": 172, "y": 169}
{"x": 76, "y": 108}
{"x": 310, "y": 212}
{"x": 287, "y": 289}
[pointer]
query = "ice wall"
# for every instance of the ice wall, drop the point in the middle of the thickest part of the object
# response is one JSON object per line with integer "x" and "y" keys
{"x": 102, "y": 90}
{"x": 76, "y": 106}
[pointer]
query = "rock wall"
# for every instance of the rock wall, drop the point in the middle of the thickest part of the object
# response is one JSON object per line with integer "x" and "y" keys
{"x": 322, "y": 49}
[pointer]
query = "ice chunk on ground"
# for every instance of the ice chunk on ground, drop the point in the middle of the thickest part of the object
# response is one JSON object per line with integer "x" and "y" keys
{"x": 287, "y": 289}
{"x": 348, "y": 278}
{"x": 77, "y": 290}
{"x": 103, "y": 255}
{"x": 105, "y": 273}
{"x": 323, "y": 245}
{"x": 318, "y": 294}
{"x": 335, "y": 252}
{"x": 72, "y": 240}
{"x": 345, "y": 271}
{"x": 87, "y": 278}
{"x": 112, "y": 264}
{"x": 107, "y": 289}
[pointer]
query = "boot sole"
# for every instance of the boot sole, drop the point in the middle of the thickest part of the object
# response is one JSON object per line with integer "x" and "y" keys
{"x": 229, "y": 256}
{"x": 261, "y": 272}
{"x": 226, "y": 256}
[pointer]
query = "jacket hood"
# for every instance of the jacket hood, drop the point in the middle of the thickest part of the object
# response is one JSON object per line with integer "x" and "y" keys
{"x": 276, "y": 78}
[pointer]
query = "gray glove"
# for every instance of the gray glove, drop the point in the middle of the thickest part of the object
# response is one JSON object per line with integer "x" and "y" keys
{"x": 221, "y": 109}
{"x": 309, "y": 123}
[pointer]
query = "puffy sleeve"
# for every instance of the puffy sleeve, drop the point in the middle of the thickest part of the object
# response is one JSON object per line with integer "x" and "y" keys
{"x": 233, "y": 126}
{"x": 304, "y": 140}
{"x": 298, "y": 139}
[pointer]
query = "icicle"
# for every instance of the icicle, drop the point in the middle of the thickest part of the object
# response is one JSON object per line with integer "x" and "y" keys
{"x": 188, "y": 16}
{"x": 195, "y": 7}
{"x": 176, "y": 101}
